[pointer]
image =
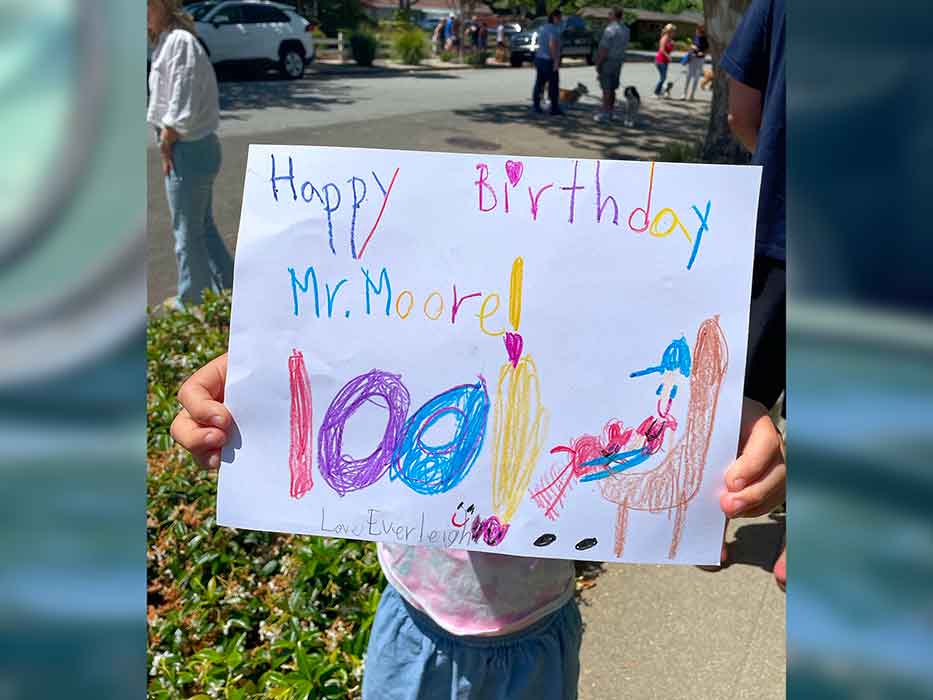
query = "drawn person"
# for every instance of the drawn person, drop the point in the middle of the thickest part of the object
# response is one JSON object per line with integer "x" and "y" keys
{"x": 184, "y": 110}
{"x": 676, "y": 360}
{"x": 593, "y": 459}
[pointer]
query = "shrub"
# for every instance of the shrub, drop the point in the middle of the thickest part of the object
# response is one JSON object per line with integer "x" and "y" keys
{"x": 239, "y": 614}
{"x": 476, "y": 58}
{"x": 680, "y": 152}
{"x": 410, "y": 46}
{"x": 448, "y": 56}
{"x": 364, "y": 46}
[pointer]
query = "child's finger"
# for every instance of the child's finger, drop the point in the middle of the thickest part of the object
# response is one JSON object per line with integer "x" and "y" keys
{"x": 202, "y": 393}
{"x": 194, "y": 437}
{"x": 760, "y": 452}
{"x": 758, "y": 498}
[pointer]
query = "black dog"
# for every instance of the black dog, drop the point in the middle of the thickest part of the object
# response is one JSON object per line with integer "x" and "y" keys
{"x": 632, "y": 105}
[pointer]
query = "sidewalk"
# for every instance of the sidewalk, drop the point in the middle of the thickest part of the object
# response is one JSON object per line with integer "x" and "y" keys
{"x": 333, "y": 66}
{"x": 682, "y": 633}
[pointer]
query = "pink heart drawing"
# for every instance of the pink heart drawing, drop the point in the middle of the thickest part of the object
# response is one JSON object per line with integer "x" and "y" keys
{"x": 513, "y": 346}
{"x": 514, "y": 169}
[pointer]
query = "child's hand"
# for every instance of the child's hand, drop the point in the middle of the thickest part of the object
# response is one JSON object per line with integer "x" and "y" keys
{"x": 202, "y": 426}
{"x": 756, "y": 480}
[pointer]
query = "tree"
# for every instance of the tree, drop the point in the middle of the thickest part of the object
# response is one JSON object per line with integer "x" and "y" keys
{"x": 721, "y": 18}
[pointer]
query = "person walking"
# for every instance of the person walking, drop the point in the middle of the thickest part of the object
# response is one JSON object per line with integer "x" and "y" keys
{"x": 449, "y": 33}
{"x": 437, "y": 39}
{"x": 696, "y": 58}
{"x": 547, "y": 63}
{"x": 663, "y": 57}
{"x": 184, "y": 111}
{"x": 609, "y": 58}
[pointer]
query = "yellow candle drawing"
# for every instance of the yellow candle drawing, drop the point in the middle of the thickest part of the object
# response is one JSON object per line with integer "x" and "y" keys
{"x": 519, "y": 418}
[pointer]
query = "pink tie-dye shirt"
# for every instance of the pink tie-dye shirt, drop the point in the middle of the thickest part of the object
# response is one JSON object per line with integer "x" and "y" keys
{"x": 475, "y": 593}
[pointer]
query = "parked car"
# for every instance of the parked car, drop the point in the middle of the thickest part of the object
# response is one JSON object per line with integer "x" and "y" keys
{"x": 251, "y": 31}
{"x": 577, "y": 41}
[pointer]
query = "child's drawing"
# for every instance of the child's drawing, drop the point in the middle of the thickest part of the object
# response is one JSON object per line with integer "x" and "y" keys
{"x": 675, "y": 481}
{"x": 609, "y": 458}
{"x": 592, "y": 458}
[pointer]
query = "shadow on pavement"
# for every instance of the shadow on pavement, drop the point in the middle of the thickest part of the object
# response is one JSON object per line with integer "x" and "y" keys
{"x": 288, "y": 94}
{"x": 659, "y": 123}
{"x": 755, "y": 544}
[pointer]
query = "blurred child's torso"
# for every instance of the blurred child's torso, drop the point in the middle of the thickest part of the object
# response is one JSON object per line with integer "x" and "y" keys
{"x": 476, "y": 593}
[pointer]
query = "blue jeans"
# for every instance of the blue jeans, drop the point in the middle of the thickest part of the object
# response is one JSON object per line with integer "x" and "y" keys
{"x": 203, "y": 259}
{"x": 412, "y": 658}
{"x": 662, "y": 73}
{"x": 545, "y": 73}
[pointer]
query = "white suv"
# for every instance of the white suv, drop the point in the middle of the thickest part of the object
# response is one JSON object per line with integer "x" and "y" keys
{"x": 249, "y": 30}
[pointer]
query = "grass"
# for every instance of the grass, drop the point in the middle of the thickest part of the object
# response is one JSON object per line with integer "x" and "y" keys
{"x": 678, "y": 152}
{"x": 238, "y": 614}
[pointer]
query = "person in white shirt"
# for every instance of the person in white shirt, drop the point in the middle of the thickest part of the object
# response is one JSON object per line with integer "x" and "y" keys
{"x": 609, "y": 59}
{"x": 184, "y": 110}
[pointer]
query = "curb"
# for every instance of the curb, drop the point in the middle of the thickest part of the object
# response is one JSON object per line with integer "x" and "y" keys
{"x": 321, "y": 68}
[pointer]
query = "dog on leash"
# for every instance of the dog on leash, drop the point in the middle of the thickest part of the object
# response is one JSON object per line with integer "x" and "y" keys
{"x": 707, "y": 78}
{"x": 632, "y": 105}
{"x": 667, "y": 90}
{"x": 570, "y": 97}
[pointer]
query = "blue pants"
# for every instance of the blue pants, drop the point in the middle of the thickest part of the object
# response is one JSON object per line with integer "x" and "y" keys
{"x": 662, "y": 73}
{"x": 203, "y": 259}
{"x": 545, "y": 73}
{"x": 412, "y": 658}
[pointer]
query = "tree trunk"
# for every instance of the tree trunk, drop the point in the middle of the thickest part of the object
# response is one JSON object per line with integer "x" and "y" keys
{"x": 721, "y": 18}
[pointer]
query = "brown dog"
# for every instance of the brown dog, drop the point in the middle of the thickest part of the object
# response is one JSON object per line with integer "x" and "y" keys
{"x": 569, "y": 97}
{"x": 707, "y": 78}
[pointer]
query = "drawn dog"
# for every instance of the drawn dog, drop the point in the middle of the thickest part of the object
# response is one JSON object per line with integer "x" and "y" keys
{"x": 707, "y": 78}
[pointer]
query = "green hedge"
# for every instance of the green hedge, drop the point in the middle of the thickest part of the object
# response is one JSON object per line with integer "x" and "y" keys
{"x": 364, "y": 47}
{"x": 410, "y": 46}
{"x": 238, "y": 614}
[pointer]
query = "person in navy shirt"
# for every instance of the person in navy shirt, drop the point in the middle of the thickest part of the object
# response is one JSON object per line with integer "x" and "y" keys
{"x": 754, "y": 62}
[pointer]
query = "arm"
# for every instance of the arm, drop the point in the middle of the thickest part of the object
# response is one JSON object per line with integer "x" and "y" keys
{"x": 601, "y": 55}
{"x": 181, "y": 87}
{"x": 744, "y": 113}
{"x": 746, "y": 60}
{"x": 555, "y": 52}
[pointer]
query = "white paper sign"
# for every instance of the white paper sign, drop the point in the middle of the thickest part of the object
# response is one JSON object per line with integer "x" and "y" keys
{"x": 530, "y": 356}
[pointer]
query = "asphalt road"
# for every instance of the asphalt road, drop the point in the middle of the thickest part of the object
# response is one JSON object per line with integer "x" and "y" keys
{"x": 475, "y": 111}
{"x": 325, "y": 99}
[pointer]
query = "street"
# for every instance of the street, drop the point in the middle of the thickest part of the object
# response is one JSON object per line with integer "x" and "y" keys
{"x": 476, "y": 111}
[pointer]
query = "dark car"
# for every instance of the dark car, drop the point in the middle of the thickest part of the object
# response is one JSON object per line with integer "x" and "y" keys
{"x": 577, "y": 41}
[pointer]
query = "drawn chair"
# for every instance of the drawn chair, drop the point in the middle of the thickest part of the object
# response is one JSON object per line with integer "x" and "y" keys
{"x": 676, "y": 480}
